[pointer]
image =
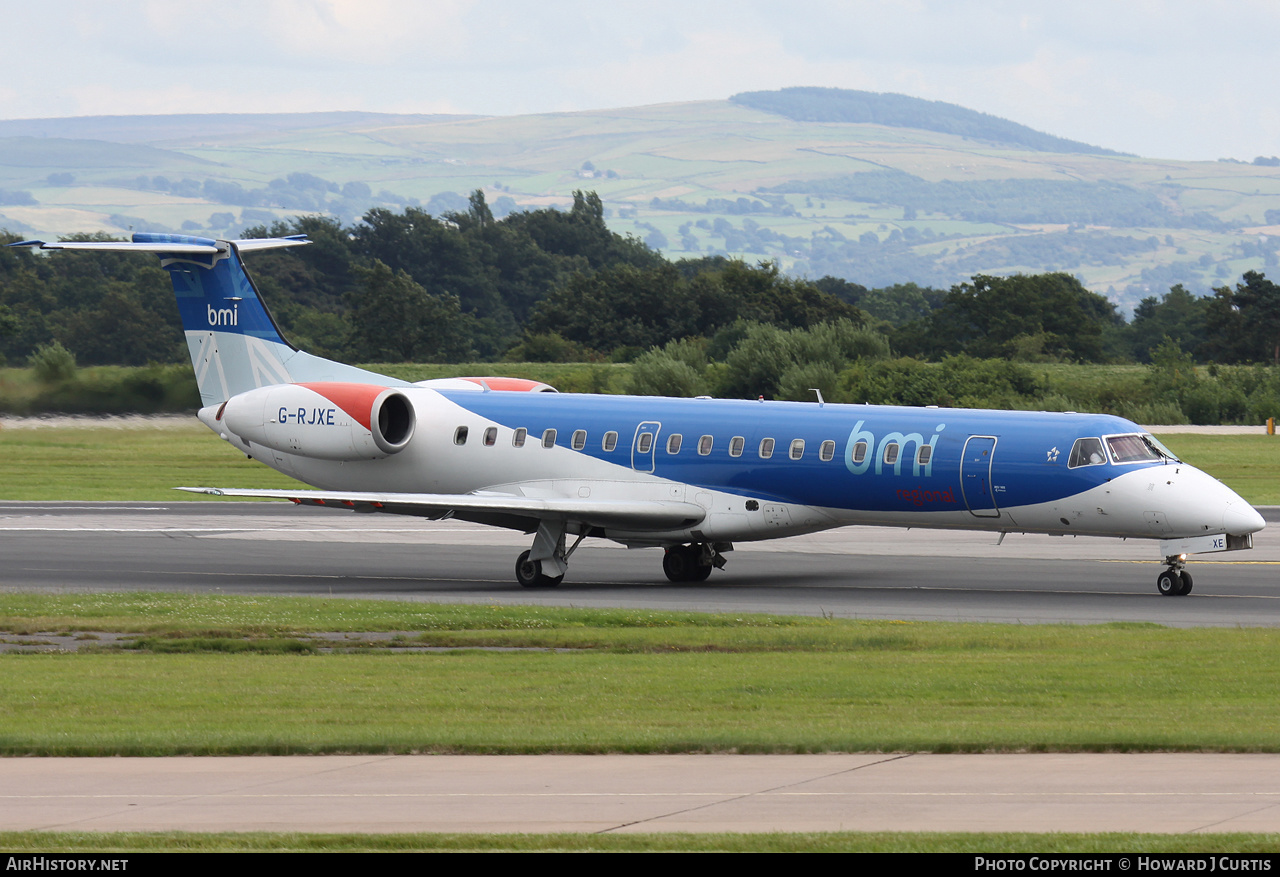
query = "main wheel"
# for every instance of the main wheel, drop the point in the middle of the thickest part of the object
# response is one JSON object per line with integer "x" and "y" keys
{"x": 683, "y": 563}
{"x": 677, "y": 563}
{"x": 1169, "y": 583}
{"x": 529, "y": 573}
{"x": 1186, "y": 584}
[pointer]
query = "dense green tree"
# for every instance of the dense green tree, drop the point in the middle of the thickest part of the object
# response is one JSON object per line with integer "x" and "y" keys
{"x": 393, "y": 319}
{"x": 581, "y": 233}
{"x": 1243, "y": 324}
{"x": 900, "y": 303}
{"x": 1177, "y": 315}
{"x": 621, "y": 306}
{"x": 1023, "y": 316}
{"x": 760, "y": 293}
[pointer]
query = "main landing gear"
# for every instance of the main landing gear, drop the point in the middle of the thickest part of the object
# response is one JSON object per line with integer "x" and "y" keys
{"x": 544, "y": 565}
{"x": 693, "y": 563}
{"x": 529, "y": 573}
{"x": 1174, "y": 581}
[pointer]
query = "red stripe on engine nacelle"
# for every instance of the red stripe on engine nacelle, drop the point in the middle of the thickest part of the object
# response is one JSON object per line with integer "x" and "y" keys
{"x": 355, "y": 399}
{"x": 507, "y": 384}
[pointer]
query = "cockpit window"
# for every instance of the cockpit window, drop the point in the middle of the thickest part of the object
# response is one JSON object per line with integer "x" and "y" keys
{"x": 1156, "y": 443}
{"x": 1087, "y": 452}
{"x": 1137, "y": 449}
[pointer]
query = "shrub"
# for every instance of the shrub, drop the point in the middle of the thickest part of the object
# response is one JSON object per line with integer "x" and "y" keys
{"x": 53, "y": 363}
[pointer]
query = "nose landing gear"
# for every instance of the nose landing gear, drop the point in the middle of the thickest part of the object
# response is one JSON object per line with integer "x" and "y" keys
{"x": 1174, "y": 581}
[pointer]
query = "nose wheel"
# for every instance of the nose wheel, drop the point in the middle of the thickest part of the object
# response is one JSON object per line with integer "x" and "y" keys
{"x": 1175, "y": 581}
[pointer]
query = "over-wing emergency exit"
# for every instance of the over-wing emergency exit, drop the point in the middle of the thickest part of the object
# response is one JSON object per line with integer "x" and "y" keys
{"x": 691, "y": 476}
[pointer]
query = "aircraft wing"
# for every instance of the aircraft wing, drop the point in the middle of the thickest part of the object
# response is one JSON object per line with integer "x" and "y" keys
{"x": 629, "y": 514}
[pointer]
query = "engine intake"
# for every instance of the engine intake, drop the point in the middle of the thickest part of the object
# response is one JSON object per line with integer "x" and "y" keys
{"x": 324, "y": 421}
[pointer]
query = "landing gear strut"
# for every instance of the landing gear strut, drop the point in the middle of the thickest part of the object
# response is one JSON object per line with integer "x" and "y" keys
{"x": 693, "y": 563}
{"x": 1174, "y": 581}
{"x": 544, "y": 565}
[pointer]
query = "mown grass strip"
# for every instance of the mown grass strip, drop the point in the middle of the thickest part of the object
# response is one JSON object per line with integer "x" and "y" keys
{"x": 813, "y": 842}
{"x": 103, "y": 464}
{"x": 1248, "y": 464}
{"x": 625, "y": 681}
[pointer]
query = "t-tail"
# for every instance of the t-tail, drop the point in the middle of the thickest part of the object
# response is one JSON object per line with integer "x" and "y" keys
{"x": 234, "y": 342}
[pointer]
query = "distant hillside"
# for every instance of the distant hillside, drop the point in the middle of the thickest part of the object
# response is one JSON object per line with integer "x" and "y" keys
{"x": 901, "y": 111}
{"x": 1006, "y": 201}
{"x": 800, "y": 176}
{"x": 58, "y": 153}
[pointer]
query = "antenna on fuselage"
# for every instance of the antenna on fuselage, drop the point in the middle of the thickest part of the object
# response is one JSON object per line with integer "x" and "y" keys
{"x": 821, "y": 401}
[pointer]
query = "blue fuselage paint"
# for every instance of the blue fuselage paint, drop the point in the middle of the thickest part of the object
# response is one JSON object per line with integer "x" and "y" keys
{"x": 1026, "y": 459}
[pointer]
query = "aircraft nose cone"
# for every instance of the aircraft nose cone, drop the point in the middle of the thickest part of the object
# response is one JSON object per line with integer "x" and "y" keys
{"x": 1241, "y": 518}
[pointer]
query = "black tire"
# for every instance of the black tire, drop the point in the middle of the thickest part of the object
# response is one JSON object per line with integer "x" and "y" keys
{"x": 683, "y": 563}
{"x": 700, "y": 573}
{"x": 1186, "y": 584}
{"x": 1169, "y": 583}
{"x": 529, "y": 574}
{"x": 677, "y": 564}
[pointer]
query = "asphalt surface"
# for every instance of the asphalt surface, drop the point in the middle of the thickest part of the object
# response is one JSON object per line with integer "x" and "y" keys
{"x": 277, "y": 548}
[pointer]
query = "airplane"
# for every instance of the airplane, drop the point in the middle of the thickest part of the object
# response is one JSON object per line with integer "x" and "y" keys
{"x": 690, "y": 476}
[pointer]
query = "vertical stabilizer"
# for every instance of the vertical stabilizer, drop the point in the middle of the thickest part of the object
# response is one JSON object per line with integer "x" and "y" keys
{"x": 234, "y": 343}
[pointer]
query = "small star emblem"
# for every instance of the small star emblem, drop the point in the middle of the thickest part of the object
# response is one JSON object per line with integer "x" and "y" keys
{"x": 1052, "y": 455}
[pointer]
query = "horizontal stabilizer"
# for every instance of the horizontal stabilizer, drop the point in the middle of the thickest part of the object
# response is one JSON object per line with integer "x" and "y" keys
{"x": 171, "y": 244}
{"x": 628, "y": 514}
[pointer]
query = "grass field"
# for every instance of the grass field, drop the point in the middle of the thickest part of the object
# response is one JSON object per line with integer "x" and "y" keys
{"x": 119, "y": 464}
{"x": 1248, "y": 464}
{"x": 617, "y": 681}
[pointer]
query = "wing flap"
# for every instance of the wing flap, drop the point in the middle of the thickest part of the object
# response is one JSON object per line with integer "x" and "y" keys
{"x": 629, "y": 514}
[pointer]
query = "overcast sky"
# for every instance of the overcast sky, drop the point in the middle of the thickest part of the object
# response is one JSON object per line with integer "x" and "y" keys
{"x": 1178, "y": 79}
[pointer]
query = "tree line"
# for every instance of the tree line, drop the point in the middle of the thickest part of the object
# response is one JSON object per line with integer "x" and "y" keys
{"x": 558, "y": 285}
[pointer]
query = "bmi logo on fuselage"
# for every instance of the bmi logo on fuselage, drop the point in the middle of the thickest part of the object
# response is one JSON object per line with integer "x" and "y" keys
{"x": 224, "y": 316}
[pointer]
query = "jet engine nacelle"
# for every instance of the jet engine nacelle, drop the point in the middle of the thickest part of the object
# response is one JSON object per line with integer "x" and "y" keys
{"x": 324, "y": 421}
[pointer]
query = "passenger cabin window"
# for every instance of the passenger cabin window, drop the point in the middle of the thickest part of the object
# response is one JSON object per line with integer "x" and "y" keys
{"x": 460, "y": 436}
{"x": 549, "y": 439}
{"x": 518, "y": 437}
{"x": 610, "y": 441}
{"x": 924, "y": 455}
{"x": 1086, "y": 452}
{"x": 859, "y": 452}
{"x": 579, "y": 440}
{"x": 891, "y": 453}
{"x": 736, "y": 445}
{"x": 704, "y": 445}
{"x": 645, "y": 444}
{"x": 673, "y": 443}
{"x": 827, "y": 452}
{"x": 766, "y": 448}
{"x": 797, "y": 449}
{"x": 490, "y": 436}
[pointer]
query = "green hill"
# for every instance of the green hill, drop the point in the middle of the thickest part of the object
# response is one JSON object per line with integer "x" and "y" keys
{"x": 908, "y": 191}
{"x": 901, "y": 111}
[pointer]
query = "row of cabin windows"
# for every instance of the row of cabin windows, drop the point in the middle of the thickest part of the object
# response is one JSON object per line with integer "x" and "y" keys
{"x": 737, "y": 444}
